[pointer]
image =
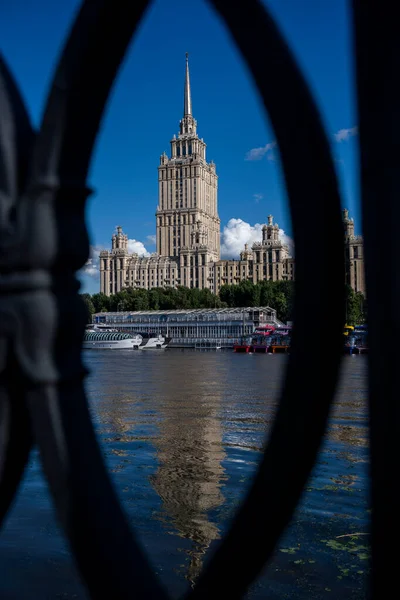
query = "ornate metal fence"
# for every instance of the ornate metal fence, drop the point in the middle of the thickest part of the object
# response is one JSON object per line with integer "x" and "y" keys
{"x": 42, "y": 197}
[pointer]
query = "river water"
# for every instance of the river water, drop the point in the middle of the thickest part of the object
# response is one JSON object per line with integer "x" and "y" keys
{"x": 182, "y": 433}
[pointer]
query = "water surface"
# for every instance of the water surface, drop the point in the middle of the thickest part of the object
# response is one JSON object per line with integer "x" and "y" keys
{"x": 182, "y": 434}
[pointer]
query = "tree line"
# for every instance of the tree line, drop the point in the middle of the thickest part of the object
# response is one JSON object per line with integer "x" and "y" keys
{"x": 278, "y": 295}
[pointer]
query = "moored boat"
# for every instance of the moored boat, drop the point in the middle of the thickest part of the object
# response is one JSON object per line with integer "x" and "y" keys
{"x": 361, "y": 339}
{"x": 151, "y": 341}
{"x": 356, "y": 340}
{"x": 109, "y": 339}
{"x": 266, "y": 339}
{"x": 280, "y": 340}
{"x": 244, "y": 346}
{"x": 259, "y": 343}
{"x": 265, "y": 330}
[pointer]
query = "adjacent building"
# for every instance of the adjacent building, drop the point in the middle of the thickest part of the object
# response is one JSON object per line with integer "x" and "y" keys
{"x": 188, "y": 230}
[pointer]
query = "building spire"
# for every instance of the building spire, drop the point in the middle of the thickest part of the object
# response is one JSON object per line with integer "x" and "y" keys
{"x": 187, "y": 104}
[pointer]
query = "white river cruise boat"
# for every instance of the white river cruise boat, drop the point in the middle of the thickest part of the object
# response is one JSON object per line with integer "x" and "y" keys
{"x": 111, "y": 339}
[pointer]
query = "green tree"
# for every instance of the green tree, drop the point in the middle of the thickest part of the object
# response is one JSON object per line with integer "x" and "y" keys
{"x": 227, "y": 294}
{"x": 101, "y": 302}
{"x": 279, "y": 295}
{"x": 287, "y": 289}
{"x": 266, "y": 293}
{"x": 120, "y": 301}
{"x": 354, "y": 306}
{"x": 167, "y": 298}
{"x": 87, "y": 300}
{"x": 280, "y": 304}
{"x": 209, "y": 300}
{"x": 154, "y": 299}
{"x": 248, "y": 294}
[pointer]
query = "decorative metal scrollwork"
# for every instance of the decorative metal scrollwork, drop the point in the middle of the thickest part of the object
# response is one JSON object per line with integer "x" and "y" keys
{"x": 42, "y": 197}
{"x": 377, "y": 54}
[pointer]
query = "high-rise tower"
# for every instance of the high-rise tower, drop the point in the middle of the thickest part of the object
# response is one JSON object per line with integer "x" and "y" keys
{"x": 188, "y": 229}
{"x": 187, "y": 214}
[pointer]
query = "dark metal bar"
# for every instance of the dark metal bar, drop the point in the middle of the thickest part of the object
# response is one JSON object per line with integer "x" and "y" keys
{"x": 15, "y": 435}
{"x": 108, "y": 556}
{"x": 16, "y": 137}
{"x": 309, "y": 387}
{"x": 377, "y": 52}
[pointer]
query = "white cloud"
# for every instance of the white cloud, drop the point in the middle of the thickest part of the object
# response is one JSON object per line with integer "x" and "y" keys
{"x": 91, "y": 268}
{"x": 257, "y": 197}
{"x": 237, "y": 233}
{"x": 259, "y": 153}
{"x": 286, "y": 239}
{"x": 151, "y": 239}
{"x": 345, "y": 134}
{"x": 138, "y": 248}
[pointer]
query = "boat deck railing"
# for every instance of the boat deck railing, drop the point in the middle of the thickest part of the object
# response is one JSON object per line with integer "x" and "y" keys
{"x": 106, "y": 336}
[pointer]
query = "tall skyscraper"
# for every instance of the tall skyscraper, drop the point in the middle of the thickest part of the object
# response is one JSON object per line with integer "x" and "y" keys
{"x": 187, "y": 213}
{"x": 188, "y": 230}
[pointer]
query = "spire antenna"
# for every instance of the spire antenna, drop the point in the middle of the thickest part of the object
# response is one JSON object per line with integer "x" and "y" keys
{"x": 187, "y": 99}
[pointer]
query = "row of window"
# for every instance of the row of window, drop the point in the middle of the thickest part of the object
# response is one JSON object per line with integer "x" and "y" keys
{"x": 117, "y": 265}
{"x": 142, "y": 280}
{"x": 268, "y": 256}
{"x": 196, "y": 260}
{"x": 178, "y": 174}
{"x": 183, "y": 149}
{"x": 181, "y": 199}
{"x": 180, "y": 220}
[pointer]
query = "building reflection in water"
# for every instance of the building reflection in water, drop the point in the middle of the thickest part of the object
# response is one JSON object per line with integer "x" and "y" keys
{"x": 114, "y": 410}
{"x": 180, "y": 416}
{"x": 190, "y": 452}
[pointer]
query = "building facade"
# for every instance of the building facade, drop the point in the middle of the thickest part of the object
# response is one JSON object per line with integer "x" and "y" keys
{"x": 188, "y": 230}
{"x": 354, "y": 255}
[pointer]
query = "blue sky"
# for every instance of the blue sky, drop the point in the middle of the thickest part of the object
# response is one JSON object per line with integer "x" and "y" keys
{"x": 146, "y": 104}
